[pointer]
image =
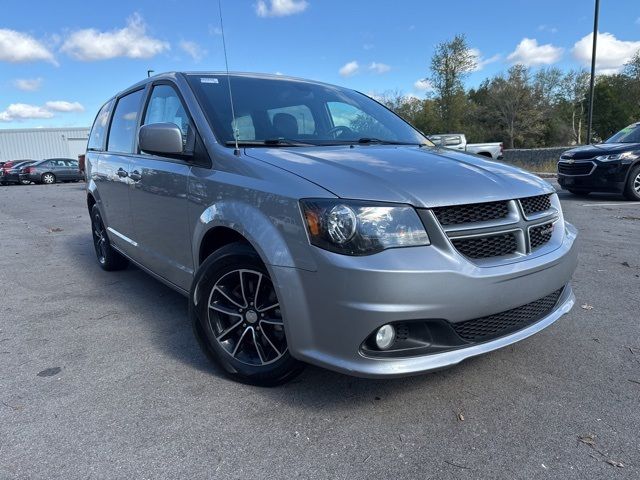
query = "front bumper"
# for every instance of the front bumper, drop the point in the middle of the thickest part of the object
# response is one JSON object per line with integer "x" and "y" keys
{"x": 609, "y": 176}
{"x": 330, "y": 312}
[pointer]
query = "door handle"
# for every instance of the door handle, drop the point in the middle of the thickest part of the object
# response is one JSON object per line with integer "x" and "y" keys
{"x": 135, "y": 176}
{"x": 122, "y": 173}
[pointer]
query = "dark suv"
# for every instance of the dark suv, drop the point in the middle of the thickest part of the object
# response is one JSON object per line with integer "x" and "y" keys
{"x": 612, "y": 166}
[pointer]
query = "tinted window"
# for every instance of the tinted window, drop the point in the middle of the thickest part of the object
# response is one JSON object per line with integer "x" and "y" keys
{"x": 630, "y": 134}
{"x": 123, "y": 125}
{"x": 99, "y": 129}
{"x": 165, "y": 106}
{"x": 297, "y": 110}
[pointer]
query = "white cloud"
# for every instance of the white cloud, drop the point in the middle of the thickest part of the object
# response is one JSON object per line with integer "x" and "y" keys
{"x": 611, "y": 54}
{"x": 530, "y": 54}
{"x": 280, "y": 8}
{"x": 214, "y": 30}
{"x": 481, "y": 62}
{"x": 368, "y": 46}
{"x": 547, "y": 28}
{"x": 195, "y": 51}
{"x": 349, "y": 69}
{"x": 62, "y": 106}
{"x": 17, "y": 112}
{"x": 28, "y": 84}
{"x": 423, "y": 85}
{"x": 131, "y": 41}
{"x": 23, "y": 111}
{"x": 379, "y": 68}
{"x": 18, "y": 47}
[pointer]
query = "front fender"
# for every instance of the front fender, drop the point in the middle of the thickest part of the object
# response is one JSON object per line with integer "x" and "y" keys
{"x": 277, "y": 235}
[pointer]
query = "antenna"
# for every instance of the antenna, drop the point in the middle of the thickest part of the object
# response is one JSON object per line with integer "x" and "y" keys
{"x": 226, "y": 64}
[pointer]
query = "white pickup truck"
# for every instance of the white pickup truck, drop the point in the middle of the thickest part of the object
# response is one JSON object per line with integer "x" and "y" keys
{"x": 457, "y": 141}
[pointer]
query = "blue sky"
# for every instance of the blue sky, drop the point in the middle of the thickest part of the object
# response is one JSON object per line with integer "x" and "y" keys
{"x": 60, "y": 60}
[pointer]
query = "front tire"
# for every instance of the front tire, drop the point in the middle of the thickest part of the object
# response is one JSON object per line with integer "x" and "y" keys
{"x": 108, "y": 258}
{"x": 632, "y": 188}
{"x": 237, "y": 318}
{"x": 48, "y": 178}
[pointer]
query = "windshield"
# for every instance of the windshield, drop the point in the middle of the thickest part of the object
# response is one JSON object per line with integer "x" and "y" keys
{"x": 630, "y": 134}
{"x": 274, "y": 111}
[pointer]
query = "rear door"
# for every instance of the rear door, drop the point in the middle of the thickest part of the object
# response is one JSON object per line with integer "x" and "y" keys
{"x": 159, "y": 194}
{"x": 112, "y": 178}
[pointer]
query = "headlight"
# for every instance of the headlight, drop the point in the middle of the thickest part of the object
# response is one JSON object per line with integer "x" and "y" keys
{"x": 361, "y": 228}
{"x": 618, "y": 156}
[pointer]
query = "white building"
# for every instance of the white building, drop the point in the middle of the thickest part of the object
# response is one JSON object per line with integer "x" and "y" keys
{"x": 41, "y": 143}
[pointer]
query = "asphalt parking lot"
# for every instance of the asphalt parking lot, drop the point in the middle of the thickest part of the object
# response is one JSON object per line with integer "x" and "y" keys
{"x": 101, "y": 377}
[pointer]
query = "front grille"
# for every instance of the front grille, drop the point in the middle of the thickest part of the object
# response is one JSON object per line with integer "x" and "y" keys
{"x": 489, "y": 246}
{"x": 474, "y": 212}
{"x": 540, "y": 234}
{"x": 577, "y": 168}
{"x": 537, "y": 204}
{"x": 499, "y": 324}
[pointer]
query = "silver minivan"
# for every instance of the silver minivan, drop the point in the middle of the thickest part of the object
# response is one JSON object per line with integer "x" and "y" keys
{"x": 307, "y": 223}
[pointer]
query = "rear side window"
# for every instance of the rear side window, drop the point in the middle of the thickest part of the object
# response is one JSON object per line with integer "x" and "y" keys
{"x": 123, "y": 125}
{"x": 99, "y": 129}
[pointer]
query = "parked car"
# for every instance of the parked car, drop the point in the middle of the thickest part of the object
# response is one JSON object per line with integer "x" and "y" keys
{"x": 458, "y": 141}
{"x": 612, "y": 166}
{"x": 314, "y": 225}
{"x": 52, "y": 170}
{"x": 5, "y": 168}
{"x": 13, "y": 174}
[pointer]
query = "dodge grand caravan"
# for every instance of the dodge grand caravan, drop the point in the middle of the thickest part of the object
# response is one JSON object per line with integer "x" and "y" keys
{"x": 306, "y": 223}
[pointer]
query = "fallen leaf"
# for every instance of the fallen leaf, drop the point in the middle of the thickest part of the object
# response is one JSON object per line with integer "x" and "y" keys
{"x": 587, "y": 439}
{"x": 615, "y": 464}
{"x": 625, "y": 264}
{"x": 55, "y": 230}
{"x": 460, "y": 417}
{"x": 586, "y": 306}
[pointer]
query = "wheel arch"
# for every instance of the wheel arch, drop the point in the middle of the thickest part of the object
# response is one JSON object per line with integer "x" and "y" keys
{"x": 232, "y": 221}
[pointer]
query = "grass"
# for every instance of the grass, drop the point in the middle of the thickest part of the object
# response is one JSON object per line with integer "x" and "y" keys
{"x": 549, "y": 166}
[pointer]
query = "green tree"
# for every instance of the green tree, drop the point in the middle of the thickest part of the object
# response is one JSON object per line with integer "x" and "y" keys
{"x": 514, "y": 103}
{"x": 450, "y": 65}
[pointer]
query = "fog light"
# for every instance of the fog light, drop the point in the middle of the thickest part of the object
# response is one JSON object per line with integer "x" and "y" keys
{"x": 385, "y": 337}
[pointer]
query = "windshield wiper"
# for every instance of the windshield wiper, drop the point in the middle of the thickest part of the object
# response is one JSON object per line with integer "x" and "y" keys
{"x": 270, "y": 142}
{"x": 366, "y": 140}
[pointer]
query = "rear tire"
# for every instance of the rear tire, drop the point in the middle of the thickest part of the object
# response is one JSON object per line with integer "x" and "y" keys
{"x": 237, "y": 320}
{"x": 632, "y": 188}
{"x": 109, "y": 259}
{"x": 48, "y": 178}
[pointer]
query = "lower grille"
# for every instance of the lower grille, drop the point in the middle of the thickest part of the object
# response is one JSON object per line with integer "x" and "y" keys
{"x": 485, "y": 247}
{"x": 500, "y": 324}
{"x": 540, "y": 234}
{"x": 577, "y": 168}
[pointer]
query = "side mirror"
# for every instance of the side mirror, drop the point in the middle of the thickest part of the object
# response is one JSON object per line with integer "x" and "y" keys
{"x": 161, "y": 138}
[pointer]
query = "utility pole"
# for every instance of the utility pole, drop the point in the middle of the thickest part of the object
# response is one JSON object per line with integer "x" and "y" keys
{"x": 593, "y": 70}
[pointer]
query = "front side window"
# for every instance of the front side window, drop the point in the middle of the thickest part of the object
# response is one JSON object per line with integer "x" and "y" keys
{"x": 123, "y": 125}
{"x": 99, "y": 129}
{"x": 271, "y": 109}
{"x": 165, "y": 106}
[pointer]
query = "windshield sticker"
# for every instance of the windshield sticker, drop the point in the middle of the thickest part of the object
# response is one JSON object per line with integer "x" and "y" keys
{"x": 208, "y": 80}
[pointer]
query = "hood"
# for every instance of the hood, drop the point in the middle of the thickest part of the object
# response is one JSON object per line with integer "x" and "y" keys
{"x": 423, "y": 177}
{"x": 589, "y": 151}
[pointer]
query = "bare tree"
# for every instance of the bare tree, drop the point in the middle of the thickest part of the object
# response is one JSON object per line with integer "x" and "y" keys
{"x": 575, "y": 86}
